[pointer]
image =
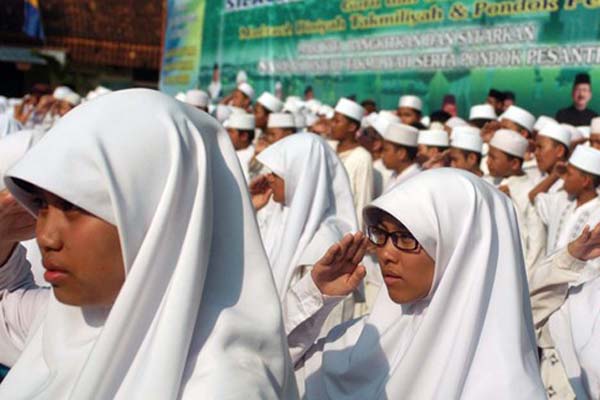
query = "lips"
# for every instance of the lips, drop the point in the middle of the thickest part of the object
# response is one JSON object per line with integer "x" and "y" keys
{"x": 54, "y": 274}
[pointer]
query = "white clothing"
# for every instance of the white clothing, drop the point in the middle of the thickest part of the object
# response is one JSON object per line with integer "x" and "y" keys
{"x": 197, "y": 315}
{"x": 381, "y": 177}
{"x": 531, "y": 169}
{"x": 564, "y": 221}
{"x": 359, "y": 166}
{"x": 245, "y": 156}
{"x": 471, "y": 337}
{"x": 8, "y": 125}
{"x": 399, "y": 178}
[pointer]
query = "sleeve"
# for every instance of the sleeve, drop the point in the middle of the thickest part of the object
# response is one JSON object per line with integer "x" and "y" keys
{"x": 20, "y": 303}
{"x": 305, "y": 312}
{"x": 549, "y": 285}
{"x": 536, "y": 238}
{"x": 542, "y": 207}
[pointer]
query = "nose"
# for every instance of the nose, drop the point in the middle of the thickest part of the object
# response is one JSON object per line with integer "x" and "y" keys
{"x": 47, "y": 230}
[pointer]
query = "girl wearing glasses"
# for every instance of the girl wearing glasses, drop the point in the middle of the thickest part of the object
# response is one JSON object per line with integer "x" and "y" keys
{"x": 455, "y": 320}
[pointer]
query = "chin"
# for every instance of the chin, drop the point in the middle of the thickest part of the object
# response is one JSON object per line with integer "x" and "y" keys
{"x": 66, "y": 298}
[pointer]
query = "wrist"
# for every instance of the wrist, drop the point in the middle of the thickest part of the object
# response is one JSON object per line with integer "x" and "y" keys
{"x": 574, "y": 252}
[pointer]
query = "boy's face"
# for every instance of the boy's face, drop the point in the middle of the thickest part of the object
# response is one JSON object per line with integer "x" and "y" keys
{"x": 500, "y": 164}
{"x": 575, "y": 180}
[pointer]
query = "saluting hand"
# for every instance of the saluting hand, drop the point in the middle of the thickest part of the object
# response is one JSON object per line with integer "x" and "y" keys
{"x": 260, "y": 191}
{"x": 338, "y": 272}
{"x": 587, "y": 246}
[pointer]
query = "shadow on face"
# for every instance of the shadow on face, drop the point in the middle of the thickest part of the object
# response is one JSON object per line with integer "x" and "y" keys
{"x": 406, "y": 267}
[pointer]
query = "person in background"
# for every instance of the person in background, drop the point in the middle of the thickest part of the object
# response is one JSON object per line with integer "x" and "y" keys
{"x": 197, "y": 98}
{"x": 496, "y": 99}
{"x": 449, "y": 105}
{"x": 578, "y": 114}
{"x": 410, "y": 110}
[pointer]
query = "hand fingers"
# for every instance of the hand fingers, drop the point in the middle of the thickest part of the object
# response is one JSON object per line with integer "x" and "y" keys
{"x": 357, "y": 276}
{"x": 330, "y": 255}
{"x": 345, "y": 244}
{"x": 353, "y": 248}
{"x": 362, "y": 250}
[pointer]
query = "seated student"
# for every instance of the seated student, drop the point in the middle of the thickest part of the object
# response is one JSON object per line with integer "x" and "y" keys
{"x": 240, "y": 127}
{"x": 400, "y": 153}
{"x": 431, "y": 148}
{"x": 456, "y": 295}
{"x": 565, "y": 300}
{"x": 552, "y": 145}
{"x": 465, "y": 150}
{"x": 565, "y": 213}
{"x": 314, "y": 210}
{"x": 160, "y": 285}
{"x": 505, "y": 160}
{"x": 410, "y": 110}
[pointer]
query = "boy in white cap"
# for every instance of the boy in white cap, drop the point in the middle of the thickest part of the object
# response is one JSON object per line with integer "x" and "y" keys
{"x": 400, "y": 153}
{"x": 522, "y": 121}
{"x": 279, "y": 125}
{"x": 595, "y": 133}
{"x": 465, "y": 150}
{"x": 410, "y": 109}
{"x": 432, "y": 145}
{"x": 505, "y": 160}
{"x": 265, "y": 105}
{"x": 481, "y": 114}
{"x": 241, "y": 132}
{"x": 241, "y": 97}
{"x": 552, "y": 146}
{"x": 197, "y": 98}
{"x": 357, "y": 161}
{"x": 565, "y": 213}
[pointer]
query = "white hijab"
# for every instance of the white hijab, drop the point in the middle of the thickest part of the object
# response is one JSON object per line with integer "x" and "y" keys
{"x": 198, "y": 315}
{"x": 13, "y": 147}
{"x": 318, "y": 208}
{"x": 472, "y": 337}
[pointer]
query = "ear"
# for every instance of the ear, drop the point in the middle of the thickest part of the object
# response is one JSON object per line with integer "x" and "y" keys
{"x": 471, "y": 158}
{"x": 244, "y": 136}
{"x": 401, "y": 152}
{"x": 515, "y": 164}
{"x": 352, "y": 126}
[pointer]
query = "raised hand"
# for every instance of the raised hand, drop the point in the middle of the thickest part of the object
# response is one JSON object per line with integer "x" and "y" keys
{"x": 438, "y": 161}
{"x": 16, "y": 224}
{"x": 260, "y": 191}
{"x": 338, "y": 272}
{"x": 587, "y": 246}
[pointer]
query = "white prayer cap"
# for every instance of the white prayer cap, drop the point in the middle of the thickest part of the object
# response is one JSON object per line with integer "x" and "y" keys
{"x": 299, "y": 120}
{"x": 402, "y": 134}
{"x": 586, "y": 159}
{"x": 72, "y": 98}
{"x": 241, "y": 77}
{"x": 369, "y": 120}
{"x": 575, "y": 134}
{"x": 456, "y": 121}
{"x": 426, "y": 120}
{"x": 436, "y": 138}
{"x": 467, "y": 141}
{"x": 411, "y": 101}
{"x": 270, "y": 102}
{"x": 245, "y": 88}
{"x": 384, "y": 118}
{"x": 542, "y": 121}
{"x": 437, "y": 125}
{"x": 311, "y": 119}
{"x": 519, "y": 116}
{"x": 313, "y": 105}
{"x": 223, "y": 112}
{"x": 179, "y": 96}
{"x": 197, "y": 98}
{"x": 556, "y": 132}
{"x": 293, "y": 104}
{"x": 60, "y": 92}
{"x": 350, "y": 109}
{"x": 281, "y": 120}
{"x": 586, "y": 131}
{"x": 510, "y": 142}
{"x": 326, "y": 111}
{"x": 468, "y": 129}
{"x": 595, "y": 125}
{"x": 482, "y": 111}
{"x": 389, "y": 115}
{"x": 241, "y": 121}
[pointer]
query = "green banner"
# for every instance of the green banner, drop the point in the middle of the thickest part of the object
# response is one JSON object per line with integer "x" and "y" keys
{"x": 381, "y": 49}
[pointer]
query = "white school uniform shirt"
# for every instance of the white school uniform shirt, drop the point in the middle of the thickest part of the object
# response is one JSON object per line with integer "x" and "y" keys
{"x": 359, "y": 167}
{"x": 399, "y": 178}
{"x": 564, "y": 221}
{"x": 533, "y": 234}
{"x": 476, "y": 317}
{"x": 198, "y": 313}
{"x": 531, "y": 169}
{"x": 381, "y": 177}
{"x": 245, "y": 156}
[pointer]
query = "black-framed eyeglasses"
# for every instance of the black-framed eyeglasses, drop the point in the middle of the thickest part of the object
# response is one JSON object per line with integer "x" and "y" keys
{"x": 402, "y": 240}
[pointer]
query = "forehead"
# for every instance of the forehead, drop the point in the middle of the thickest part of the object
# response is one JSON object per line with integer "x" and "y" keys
{"x": 456, "y": 153}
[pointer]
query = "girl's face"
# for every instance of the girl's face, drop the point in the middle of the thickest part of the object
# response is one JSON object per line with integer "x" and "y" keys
{"x": 406, "y": 268}
{"x": 277, "y": 184}
{"x": 80, "y": 252}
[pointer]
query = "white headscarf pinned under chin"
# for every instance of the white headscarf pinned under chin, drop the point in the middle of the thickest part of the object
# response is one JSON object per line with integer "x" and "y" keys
{"x": 472, "y": 337}
{"x": 198, "y": 315}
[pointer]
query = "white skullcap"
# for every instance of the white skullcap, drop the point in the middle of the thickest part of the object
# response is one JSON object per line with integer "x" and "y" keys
{"x": 270, "y": 102}
{"x": 369, "y": 120}
{"x": 426, "y": 120}
{"x": 575, "y": 134}
{"x": 436, "y": 138}
{"x": 299, "y": 120}
{"x": 384, "y": 118}
{"x": 411, "y": 102}
{"x": 241, "y": 77}
{"x": 313, "y": 105}
{"x": 197, "y": 98}
{"x": 326, "y": 111}
{"x": 467, "y": 141}
{"x": 585, "y": 131}
{"x": 595, "y": 125}
{"x": 72, "y": 98}
{"x": 586, "y": 159}
{"x": 482, "y": 111}
{"x": 311, "y": 119}
{"x": 245, "y": 88}
{"x": 350, "y": 109}
{"x": 179, "y": 96}
{"x": 468, "y": 129}
{"x": 455, "y": 122}
{"x": 556, "y": 132}
{"x": 402, "y": 134}
{"x": 241, "y": 121}
{"x": 542, "y": 121}
{"x": 293, "y": 104}
{"x": 60, "y": 92}
{"x": 510, "y": 142}
{"x": 437, "y": 125}
{"x": 281, "y": 120}
{"x": 519, "y": 116}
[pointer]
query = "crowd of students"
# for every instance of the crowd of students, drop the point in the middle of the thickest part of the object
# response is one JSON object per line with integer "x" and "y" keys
{"x": 231, "y": 247}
